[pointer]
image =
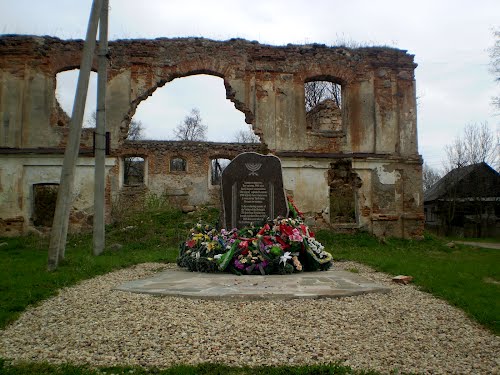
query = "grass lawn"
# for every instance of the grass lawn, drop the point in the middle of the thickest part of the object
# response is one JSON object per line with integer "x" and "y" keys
{"x": 151, "y": 236}
{"x": 466, "y": 277}
{"x": 202, "y": 369}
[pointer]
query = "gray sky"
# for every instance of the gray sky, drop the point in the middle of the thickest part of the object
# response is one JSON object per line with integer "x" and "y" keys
{"x": 448, "y": 38}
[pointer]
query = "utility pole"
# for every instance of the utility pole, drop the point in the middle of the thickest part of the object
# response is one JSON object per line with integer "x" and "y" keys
{"x": 100, "y": 133}
{"x": 59, "y": 231}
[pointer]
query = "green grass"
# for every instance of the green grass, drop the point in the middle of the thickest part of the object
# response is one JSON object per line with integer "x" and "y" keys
{"x": 467, "y": 277}
{"x": 152, "y": 236}
{"x": 202, "y": 369}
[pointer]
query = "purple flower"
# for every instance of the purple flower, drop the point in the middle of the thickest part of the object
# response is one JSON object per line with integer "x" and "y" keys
{"x": 238, "y": 264}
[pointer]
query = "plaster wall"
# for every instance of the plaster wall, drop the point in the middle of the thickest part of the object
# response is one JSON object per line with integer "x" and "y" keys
{"x": 306, "y": 181}
{"x": 378, "y": 132}
{"x": 19, "y": 173}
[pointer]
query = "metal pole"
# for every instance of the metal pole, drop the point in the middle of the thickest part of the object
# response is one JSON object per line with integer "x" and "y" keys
{"x": 100, "y": 133}
{"x": 65, "y": 195}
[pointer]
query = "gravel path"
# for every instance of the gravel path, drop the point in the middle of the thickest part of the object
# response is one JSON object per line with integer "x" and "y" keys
{"x": 406, "y": 330}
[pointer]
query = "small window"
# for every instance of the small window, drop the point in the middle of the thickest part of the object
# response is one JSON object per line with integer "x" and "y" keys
{"x": 133, "y": 170}
{"x": 178, "y": 165}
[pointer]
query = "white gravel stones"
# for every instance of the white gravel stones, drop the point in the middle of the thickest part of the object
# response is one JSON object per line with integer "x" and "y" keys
{"x": 405, "y": 330}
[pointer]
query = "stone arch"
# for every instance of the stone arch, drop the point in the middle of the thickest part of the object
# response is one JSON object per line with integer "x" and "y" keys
{"x": 326, "y": 77}
{"x": 231, "y": 93}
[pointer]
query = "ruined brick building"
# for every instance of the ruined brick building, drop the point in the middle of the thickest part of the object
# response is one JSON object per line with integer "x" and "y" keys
{"x": 361, "y": 170}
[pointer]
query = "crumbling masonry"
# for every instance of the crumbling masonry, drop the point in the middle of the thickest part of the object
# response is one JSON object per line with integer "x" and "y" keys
{"x": 370, "y": 153}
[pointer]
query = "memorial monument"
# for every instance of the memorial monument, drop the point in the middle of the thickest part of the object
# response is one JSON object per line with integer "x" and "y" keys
{"x": 252, "y": 190}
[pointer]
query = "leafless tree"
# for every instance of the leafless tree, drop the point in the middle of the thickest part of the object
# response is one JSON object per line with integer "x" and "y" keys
{"x": 191, "y": 128}
{"x": 247, "y": 136}
{"x": 429, "y": 176}
{"x": 478, "y": 144}
{"x": 495, "y": 64}
{"x": 135, "y": 130}
{"x": 318, "y": 91}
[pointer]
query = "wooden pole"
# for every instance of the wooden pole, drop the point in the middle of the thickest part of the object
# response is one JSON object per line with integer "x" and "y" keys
{"x": 59, "y": 231}
{"x": 100, "y": 133}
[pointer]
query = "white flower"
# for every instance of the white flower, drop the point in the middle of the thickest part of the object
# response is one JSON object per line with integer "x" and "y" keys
{"x": 218, "y": 256}
{"x": 285, "y": 257}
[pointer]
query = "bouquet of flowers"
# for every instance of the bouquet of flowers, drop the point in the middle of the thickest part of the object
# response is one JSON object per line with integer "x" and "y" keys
{"x": 279, "y": 246}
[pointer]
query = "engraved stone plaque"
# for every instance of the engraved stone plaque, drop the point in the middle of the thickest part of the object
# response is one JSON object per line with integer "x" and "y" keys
{"x": 252, "y": 190}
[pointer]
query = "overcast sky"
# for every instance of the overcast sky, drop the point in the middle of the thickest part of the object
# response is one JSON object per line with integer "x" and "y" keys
{"x": 450, "y": 41}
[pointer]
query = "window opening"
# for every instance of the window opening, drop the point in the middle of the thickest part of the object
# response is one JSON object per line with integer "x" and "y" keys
{"x": 133, "y": 170}
{"x": 323, "y": 102}
{"x": 178, "y": 165}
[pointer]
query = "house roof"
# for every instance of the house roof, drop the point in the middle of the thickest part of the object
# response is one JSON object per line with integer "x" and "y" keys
{"x": 470, "y": 181}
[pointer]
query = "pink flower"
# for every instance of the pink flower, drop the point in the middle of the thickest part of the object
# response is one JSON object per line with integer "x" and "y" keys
{"x": 295, "y": 236}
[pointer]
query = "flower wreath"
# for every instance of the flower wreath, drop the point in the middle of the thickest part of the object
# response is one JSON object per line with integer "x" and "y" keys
{"x": 279, "y": 246}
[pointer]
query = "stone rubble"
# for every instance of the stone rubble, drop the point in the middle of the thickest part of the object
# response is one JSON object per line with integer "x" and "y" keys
{"x": 403, "y": 330}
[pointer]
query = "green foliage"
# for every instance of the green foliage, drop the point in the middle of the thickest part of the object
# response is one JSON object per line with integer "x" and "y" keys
{"x": 461, "y": 275}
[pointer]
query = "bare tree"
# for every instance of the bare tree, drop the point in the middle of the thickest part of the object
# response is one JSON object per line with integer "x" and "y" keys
{"x": 495, "y": 64}
{"x": 247, "y": 136}
{"x": 429, "y": 176}
{"x": 192, "y": 128}
{"x": 135, "y": 130}
{"x": 478, "y": 144}
{"x": 318, "y": 91}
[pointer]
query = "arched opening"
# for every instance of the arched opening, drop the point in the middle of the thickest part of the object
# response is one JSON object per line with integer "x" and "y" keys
{"x": 66, "y": 82}
{"x": 323, "y": 103}
{"x": 171, "y": 105}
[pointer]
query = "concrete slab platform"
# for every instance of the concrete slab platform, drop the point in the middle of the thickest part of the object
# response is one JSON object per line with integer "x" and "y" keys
{"x": 222, "y": 286}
